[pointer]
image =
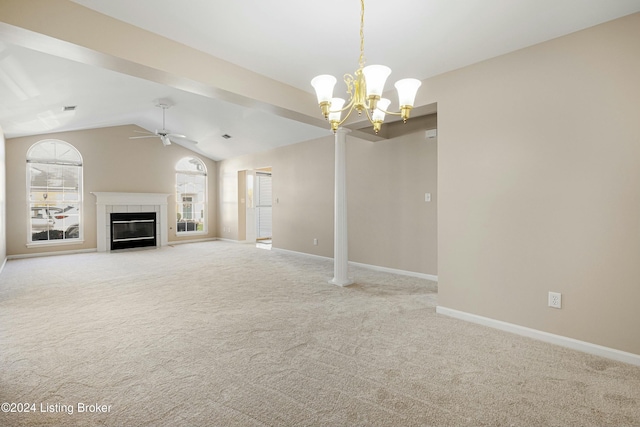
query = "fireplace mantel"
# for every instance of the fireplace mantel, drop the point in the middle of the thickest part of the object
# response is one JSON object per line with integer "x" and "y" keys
{"x": 114, "y": 198}
{"x": 108, "y": 202}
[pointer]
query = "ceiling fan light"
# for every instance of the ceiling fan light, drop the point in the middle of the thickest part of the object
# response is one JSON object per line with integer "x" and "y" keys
{"x": 375, "y": 77}
{"x": 323, "y": 84}
{"x": 407, "y": 89}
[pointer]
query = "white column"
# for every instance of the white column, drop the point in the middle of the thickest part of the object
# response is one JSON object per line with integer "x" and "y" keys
{"x": 340, "y": 236}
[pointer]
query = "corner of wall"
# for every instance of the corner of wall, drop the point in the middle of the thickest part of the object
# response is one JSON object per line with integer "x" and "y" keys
{"x": 3, "y": 202}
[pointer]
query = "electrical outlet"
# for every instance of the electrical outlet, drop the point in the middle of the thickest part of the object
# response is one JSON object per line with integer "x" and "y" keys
{"x": 315, "y": 242}
{"x": 555, "y": 299}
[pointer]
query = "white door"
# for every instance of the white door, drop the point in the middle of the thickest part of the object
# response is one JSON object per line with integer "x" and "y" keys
{"x": 251, "y": 208}
{"x": 263, "y": 192}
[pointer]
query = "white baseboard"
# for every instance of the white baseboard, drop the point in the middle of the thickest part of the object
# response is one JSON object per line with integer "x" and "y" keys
{"x": 39, "y": 254}
{"x": 242, "y": 242}
{"x": 82, "y": 251}
{"x": 396, "y": 271}
{"x": 367, "y": 266}
{"x": 181, "y": 242}
{"x": 287, "y": 251}
{"x": 586, "y": 347}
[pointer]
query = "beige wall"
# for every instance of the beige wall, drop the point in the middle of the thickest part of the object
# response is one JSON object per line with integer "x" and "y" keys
{"x": 112, "y": 162}
{"x": 3, "y": 201}
{"x": 539, "y": 185}
{"x": 299, "y": 171}
{"x": 390, "y": 224}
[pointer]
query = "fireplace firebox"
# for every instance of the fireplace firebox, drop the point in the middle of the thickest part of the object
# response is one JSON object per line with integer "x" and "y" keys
{"x": 133, "y": 230}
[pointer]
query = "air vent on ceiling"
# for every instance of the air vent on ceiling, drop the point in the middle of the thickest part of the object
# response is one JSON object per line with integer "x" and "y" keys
{"x": 226, "y": 136}
{"x": 69, "y": 108}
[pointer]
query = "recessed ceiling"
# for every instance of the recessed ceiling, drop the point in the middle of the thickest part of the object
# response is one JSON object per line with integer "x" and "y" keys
{"x": 288, "y": 41}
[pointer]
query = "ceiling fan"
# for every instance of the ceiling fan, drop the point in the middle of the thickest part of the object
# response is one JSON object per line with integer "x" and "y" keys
{"x": 165, "y": 136}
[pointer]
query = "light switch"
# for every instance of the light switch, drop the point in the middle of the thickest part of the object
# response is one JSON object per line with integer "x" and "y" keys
{"x": 427, "y": 197}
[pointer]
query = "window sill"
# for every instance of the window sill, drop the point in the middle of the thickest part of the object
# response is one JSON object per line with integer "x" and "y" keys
{"x": 191, "y": 233}
{"x": 55, "y": 243}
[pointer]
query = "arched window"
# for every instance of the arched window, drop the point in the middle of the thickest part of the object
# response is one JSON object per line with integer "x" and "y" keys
{"x": 191, "y": 196}
{"x": 54, "y": 192}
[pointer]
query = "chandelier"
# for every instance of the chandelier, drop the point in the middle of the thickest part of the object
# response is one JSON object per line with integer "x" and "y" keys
{"x": 365, "y": 92}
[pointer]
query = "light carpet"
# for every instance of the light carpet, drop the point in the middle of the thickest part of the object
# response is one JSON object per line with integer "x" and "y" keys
{"x": 225, "y": 334}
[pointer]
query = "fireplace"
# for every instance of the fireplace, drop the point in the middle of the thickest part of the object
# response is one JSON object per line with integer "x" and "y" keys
{"x": 133, "y": 230}
{"x": 108, "y": 203}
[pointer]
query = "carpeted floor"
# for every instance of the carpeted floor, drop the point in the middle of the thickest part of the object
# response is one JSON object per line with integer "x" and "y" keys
{"x": 226, "y": 334}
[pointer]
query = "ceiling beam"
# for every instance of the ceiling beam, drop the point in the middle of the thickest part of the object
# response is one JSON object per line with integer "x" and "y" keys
{"x": 71, "y": 31}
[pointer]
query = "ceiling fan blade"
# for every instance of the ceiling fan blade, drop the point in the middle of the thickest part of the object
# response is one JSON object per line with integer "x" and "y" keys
{"x": 181, "y": 138}
{"x": 177, "y": 135}
{"x": 145, "y": 136}
{"x": 163, "y": 134}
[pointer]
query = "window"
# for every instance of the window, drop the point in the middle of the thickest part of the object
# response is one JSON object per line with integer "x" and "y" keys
{"x": 54, "y": 192}
{"x": 191, "y": 196}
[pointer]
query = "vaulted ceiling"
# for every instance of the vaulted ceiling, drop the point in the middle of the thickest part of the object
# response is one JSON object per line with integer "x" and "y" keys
{"x": 286, "y": 42}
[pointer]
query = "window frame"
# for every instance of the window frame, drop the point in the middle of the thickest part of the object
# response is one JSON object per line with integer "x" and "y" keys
{"x": 31, "y": 160}
{"x": 180, "y": 203}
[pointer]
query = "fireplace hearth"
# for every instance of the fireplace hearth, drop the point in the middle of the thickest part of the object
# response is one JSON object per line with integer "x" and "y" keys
{"x": 133, "y": 230}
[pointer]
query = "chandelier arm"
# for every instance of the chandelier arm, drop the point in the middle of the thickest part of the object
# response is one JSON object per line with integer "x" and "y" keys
{"x": 399, "y": 113}
{"x": 369, "y": 115}
{"x": 346, "y": 117}
{"x": 349, "y": 81}
{"x": 349, "y": 105}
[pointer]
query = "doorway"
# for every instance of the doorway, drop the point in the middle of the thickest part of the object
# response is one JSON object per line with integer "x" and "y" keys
{"x": 264, "y": 207}
{"x": 255, "y": 207}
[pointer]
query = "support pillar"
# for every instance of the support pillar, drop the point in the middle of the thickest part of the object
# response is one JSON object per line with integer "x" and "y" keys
{"x": 340, "y": 235}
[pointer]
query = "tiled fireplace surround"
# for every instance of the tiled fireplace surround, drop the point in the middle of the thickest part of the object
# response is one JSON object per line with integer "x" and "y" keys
{"x": 113, "y": 202}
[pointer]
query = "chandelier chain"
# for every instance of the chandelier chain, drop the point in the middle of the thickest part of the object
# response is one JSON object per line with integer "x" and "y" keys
{"x": 361, "y": 61}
